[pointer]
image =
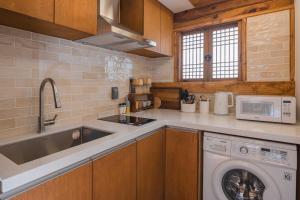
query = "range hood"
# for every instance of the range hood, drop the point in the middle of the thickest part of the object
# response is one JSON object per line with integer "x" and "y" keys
{"x": 120, "y": 26}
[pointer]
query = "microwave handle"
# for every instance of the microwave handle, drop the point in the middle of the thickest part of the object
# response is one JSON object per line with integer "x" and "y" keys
{"x": 232, "y": 100}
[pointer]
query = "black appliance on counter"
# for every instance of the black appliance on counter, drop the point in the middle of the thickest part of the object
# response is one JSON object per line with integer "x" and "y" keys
{"x": 129, "y": 120}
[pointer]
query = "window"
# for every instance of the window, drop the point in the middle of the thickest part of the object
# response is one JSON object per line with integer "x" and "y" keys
{"x": 211, "y": 54}
{"x": 193, "y": 56}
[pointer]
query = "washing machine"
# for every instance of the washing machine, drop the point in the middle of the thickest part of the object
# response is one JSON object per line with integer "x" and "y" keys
{"x": 237, "y": 168}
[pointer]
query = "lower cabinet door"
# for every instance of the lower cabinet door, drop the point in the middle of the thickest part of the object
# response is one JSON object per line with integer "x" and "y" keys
{"x": 74, "y": 185}
{"x": 182, "y": 165}
{"x": 114, "y": 175}
{"x": 150, "y": 166}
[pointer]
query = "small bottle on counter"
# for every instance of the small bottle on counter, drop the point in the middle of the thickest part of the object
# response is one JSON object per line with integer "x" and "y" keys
{"x": 122, "y": 108}
{"x": 127, "y": 102}
{"x": 204, "y": 105}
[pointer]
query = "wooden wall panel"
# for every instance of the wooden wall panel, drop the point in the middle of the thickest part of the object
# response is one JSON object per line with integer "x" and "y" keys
{"x": 213, "y": 8}
{"x": 237, "y": 87}
{"x": 234, "y": 14}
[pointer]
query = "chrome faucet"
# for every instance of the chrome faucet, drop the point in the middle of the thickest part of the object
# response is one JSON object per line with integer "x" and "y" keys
{"x": 42, "y": 121}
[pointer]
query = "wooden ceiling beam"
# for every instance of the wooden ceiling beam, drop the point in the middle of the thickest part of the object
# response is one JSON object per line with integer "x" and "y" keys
{"x": 215, "y": 7}
{"x": 204, "y": 3}
{"x": 234, "y": 14}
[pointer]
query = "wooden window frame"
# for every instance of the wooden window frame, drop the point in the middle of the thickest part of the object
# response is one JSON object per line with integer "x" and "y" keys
{"x": 208, "y": 48}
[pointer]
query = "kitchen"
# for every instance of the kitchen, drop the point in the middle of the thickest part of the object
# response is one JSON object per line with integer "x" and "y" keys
{"x": 147, "y": 99}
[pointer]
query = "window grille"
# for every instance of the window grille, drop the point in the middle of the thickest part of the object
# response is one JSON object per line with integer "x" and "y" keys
{"x": 193, "y": 56}
{"x": 225, "y": 55}
{"x": 211, "y": 53}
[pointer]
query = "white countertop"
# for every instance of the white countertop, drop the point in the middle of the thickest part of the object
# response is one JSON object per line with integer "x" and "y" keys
{"x": 13, "y": 176}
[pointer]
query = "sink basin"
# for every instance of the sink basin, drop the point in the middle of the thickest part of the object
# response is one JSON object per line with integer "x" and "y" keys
{"x": 32, "y": 149}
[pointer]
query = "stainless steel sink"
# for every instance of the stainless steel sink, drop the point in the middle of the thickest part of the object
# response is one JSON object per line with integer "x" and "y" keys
{"x": 32, "y": 149}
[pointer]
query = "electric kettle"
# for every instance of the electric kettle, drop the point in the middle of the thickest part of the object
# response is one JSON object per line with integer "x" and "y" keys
{"x": 222, "y": 105}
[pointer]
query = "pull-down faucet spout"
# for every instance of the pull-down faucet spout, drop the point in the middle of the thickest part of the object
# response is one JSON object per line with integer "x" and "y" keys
{"x": 42, "y": 121}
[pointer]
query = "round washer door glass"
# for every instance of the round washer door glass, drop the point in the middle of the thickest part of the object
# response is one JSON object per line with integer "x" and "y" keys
{"x": 240, "y": 184}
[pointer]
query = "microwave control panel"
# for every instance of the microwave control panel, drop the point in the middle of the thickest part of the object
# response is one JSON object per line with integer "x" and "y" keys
{"x": 288, "y": 110}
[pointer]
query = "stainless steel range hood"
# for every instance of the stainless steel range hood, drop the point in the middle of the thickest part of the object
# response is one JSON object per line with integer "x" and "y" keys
{"x": 120, "y": 26}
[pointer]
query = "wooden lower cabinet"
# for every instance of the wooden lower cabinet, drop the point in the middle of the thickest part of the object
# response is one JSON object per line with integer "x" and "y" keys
{"x": 114, "y": 175}
{"x": 150, "y": 166}
{"x": 74, "y": 185}
{"x": 182, "y": 165}
{"x": 165, "y": 165}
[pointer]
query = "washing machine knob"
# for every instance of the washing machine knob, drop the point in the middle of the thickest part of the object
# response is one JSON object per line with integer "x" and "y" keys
{"x": 244, "y": 150}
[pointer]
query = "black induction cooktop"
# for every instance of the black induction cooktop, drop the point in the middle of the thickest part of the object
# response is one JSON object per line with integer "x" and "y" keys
{"x": 130, "y": 120}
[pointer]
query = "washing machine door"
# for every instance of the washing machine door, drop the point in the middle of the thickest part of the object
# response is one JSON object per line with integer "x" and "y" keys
{"x": 242, "y": 180}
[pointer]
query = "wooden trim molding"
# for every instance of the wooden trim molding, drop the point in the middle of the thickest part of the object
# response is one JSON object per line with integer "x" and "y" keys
{"x": 243, "y": 49}
{"x": 237, "y": 87}
{"x": 292, "y": 45}
{"x": 177, "y": 56}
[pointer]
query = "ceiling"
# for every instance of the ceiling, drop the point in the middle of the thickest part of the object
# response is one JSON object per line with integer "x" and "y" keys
{"x": 177, "y": 6}
{"x": 181, "y": 5}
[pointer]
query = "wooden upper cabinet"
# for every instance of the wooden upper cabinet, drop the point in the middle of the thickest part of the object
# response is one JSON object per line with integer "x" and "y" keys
{"x": 74, "y": 185}
{"x": 150, "y": 167}
{"x": 152, "y": 23}
{"x": 166, "y": 39}
{"x": 39, "y": 9}
{"x": 182, "y": 165}
{"x": 114, "y": 175}
{"x": 77, "y": 14}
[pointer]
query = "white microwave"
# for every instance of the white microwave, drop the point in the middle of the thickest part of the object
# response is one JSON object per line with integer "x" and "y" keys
{"x": 280, "y": 109}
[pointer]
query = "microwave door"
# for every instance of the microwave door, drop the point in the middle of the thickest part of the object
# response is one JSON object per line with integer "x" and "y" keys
{"x": 260, "y": 110}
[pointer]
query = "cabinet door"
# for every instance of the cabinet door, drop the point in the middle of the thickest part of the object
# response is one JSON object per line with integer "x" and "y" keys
{"x": 40, "y": 9}
{"x": 114, "y": 175}
{"x": 150, "y": 167}
{"x": 74, "y": 185}
{"x": 166, "y": 39}
{"x": 182, "y": 163}
{"x": 152, "y": 22}
{"x": 77, "y": 14}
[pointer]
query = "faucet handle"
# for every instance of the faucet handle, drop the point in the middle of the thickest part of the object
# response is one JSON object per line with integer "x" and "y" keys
{"x": 54, "y": 118}
{"x": 50, "y": 121}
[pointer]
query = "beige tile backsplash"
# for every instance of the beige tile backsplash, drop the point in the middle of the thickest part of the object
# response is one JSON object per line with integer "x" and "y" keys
{"x": 84, "y": 76}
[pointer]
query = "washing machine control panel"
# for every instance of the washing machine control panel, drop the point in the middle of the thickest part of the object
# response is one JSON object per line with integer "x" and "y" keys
{"x": 274, "y": 154}
{"x": 258, "y": 152}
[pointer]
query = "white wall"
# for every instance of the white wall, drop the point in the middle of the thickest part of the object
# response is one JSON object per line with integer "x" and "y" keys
{"x": 297, "y": 11}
